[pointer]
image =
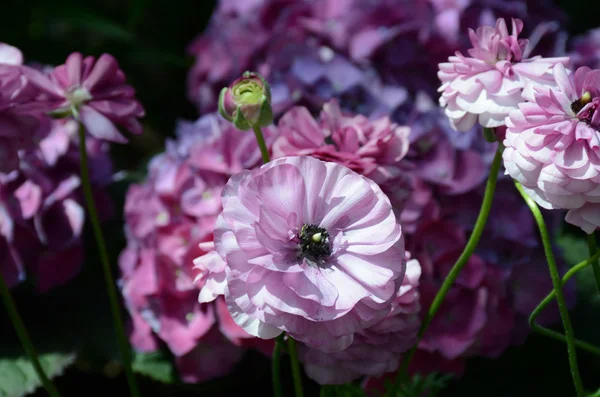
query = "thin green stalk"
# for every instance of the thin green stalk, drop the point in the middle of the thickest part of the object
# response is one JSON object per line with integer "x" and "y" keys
{"x": 23, "y": 335}
{"x": 260, "y": 139}
{"x": 458, "y": 266}
{"x": 108, "y": 277}
{"x": 489, "y": 134}
{"x": 557, "y": 284}
{"x": 595, "y": 266}
{"x": 275, "y": 370}
{"x": 538, "y": 310}
{"x": 295, "y": 367}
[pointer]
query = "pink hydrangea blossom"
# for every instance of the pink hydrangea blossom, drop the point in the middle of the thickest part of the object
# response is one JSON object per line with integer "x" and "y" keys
{"x": 375, "y": 350}
{"x": 489, "y": 83}
{"x": 312, "y": 249}
{"x": 94, "y": 90}
{"x": 553, "y": 146}
{"x": 18, "y": 124}
{"x": 371, "y": 148}
{"x": 41, "y": 207}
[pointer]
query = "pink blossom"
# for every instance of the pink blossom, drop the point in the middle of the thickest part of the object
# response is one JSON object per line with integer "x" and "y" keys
{"x": 375, "y": 350}
{"x": 371, "y": 148}
{"x": 41, "y": 206}
{"x": 484, "y": 87}
{"x": 94, "y": 91}
{"x": 553, "y": 146}
{"x": 18, "y": 124}
{"x": 312, "y": 249}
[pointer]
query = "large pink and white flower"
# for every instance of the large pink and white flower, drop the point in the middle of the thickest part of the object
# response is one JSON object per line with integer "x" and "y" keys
{"x": 553, "y": 146}
{"x": 312, "y": 248}
{"x": 489, "y": 83}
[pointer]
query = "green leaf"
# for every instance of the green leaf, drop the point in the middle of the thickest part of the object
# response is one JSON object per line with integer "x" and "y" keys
{"x": 18, "y": 377}
{"x": 157, "y": 366}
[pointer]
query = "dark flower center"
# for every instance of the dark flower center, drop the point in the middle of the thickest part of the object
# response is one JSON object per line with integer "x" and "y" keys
{"x": 314, "y": 243}
{"x": 580, "y": 103}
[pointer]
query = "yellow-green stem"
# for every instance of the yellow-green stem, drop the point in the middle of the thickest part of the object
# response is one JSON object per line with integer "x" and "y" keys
{"x": 108, "y": 277}
{"x": 538, "y": 310}
{"x": 595, "y": 266}
{"x": 458, "y": 266}
{"x": 23, "y": 335}
{"x": 557, "y": 284}
{"x": 260, "y": 139}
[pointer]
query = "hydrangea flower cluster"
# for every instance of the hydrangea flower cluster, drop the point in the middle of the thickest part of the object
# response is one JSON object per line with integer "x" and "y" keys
{"x": 169, "y": 222}
{"x": 41, "y": 206}
{"x": 367, "y": 54}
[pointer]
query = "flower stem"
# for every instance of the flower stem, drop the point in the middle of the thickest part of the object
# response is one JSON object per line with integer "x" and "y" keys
{"x": 108, "y": 277}
{"x": 275, "y": 371}
{"x": 458, "y": 266}
{"x": 538, "y": 310}
{"x": 489, "y": 134}
{"x": 557, "y": 284}
{"x": 23, "y": 335}
{"x": 260, "y": 139}
{"x": 295, "y": 367}
{"x": 595, "y": 266}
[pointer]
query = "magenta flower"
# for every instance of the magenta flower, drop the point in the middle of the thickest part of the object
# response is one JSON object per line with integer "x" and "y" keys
{"x": 484, "y": 87}
{"x": 553, "y": 146}
{"x": 18, "y": 124}
{"x": 94, "y": 91}
{"x": 312, "y": 249}
{"x": 41, "y": 206}
{"x": 375, "y": 350}
{"x": 371, "y": 148}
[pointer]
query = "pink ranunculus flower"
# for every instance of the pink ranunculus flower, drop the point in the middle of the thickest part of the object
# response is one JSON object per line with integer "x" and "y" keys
{"x": 373, "y": 148}
{"x": 553, "y": 146}
{"x": 94, "y": 90}
{"x": 489, "y": 83}
{"x": 375, "y": 350}
{"x": 312, "y": 249}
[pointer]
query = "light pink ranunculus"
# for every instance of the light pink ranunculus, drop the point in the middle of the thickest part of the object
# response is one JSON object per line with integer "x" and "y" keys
{"x": 484, "y": 86}
{"x": 553, "y": 146}
{"x": 312, "y": 249}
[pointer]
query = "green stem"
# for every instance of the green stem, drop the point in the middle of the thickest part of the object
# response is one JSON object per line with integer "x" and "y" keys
{"x": 557, "y": 284}
{"x": 458, "y": 266}
{"x": 23, "y": 335}
{"x": 595, "y": 266}
{"x": 295, "y": 367}
{"x": 108, "y": 277}
{"x": 538, "y": 310}
{"x": 275, "y": 370}
{"x": 260, "y": 139}
{"x": 489, "y": 134}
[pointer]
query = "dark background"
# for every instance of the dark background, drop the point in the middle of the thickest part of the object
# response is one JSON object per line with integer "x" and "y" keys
{"x": 149, "y": 39}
